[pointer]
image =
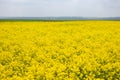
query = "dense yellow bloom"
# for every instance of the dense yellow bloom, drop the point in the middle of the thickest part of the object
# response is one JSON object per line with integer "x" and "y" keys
{"x": 72, "y": 50}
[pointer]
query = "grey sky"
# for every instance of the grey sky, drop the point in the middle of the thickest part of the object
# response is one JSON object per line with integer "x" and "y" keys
{"x": 40, "y": 8}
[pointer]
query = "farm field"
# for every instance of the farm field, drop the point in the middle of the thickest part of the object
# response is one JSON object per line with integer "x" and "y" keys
{"x": 71, "y": 50}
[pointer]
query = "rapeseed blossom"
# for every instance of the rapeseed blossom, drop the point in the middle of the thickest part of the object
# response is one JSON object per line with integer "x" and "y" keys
{"x": 73, "y": 50}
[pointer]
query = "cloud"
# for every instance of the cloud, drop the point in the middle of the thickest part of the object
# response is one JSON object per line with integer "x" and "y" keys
{"x": 36, "y": 8}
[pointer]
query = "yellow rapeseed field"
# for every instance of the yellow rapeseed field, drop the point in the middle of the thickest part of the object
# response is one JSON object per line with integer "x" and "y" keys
{"x": 71, "y": 50}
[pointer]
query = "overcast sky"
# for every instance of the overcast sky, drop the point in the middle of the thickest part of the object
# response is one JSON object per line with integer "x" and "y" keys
{"x": 41, "y": 8}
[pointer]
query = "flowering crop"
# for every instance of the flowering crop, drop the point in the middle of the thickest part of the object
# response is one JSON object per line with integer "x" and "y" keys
{"x": 73, "y": 50}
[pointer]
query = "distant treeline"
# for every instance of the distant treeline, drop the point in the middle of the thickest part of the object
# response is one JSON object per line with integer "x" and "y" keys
{"x": 55, "y": 18}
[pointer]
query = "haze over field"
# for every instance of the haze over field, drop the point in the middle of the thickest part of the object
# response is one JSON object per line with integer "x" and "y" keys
{"x": 43, "y": 8}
